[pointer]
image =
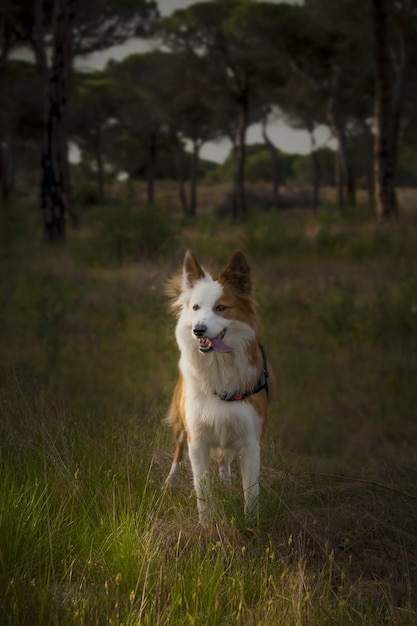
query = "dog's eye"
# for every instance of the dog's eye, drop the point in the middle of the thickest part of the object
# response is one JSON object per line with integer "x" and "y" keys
{"x": 220, "y": 308}
{"x": 196, "y": 307}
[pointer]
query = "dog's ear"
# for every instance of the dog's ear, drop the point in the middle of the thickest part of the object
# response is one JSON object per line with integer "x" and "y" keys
{"x": 237, "y": 274}
{"x": 192, "y": 270}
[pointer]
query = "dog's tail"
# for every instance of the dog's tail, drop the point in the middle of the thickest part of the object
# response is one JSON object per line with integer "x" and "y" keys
{"x": 176, "y": 413}
{"x": 175, "y": 419}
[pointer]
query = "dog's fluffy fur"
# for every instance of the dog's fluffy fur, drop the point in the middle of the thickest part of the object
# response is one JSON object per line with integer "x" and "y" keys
{"x": 220, "y": 354}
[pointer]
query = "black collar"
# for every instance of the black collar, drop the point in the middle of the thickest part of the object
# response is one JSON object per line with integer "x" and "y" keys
{"x": 261, "y": 384}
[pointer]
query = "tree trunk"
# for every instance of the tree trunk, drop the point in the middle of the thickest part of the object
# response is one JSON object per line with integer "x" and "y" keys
{"x": 316, "y": 172}
{"x": 4, "y": 173}
{"x": 338, "y": 127}
{"x": 5, "y": 160}
{"x": 370, "y": 178}
{"x": 66, "y": 169}
{"x": 55, "y": 170}
{"x": 386, "y": 197}
{"x": 151, "y": 168}
{"x": 194, "y": 178}
{"x": 240, "y": 193}
{"x": 400, "y": 66}
{"x": 339, "y": 181}
{"x": 276, "y": 165}
{"x": 98, "y": 147}
{"x": 4, "y": 146}
{"x": 39, "y": 42}
{"x": 177, "y": 148}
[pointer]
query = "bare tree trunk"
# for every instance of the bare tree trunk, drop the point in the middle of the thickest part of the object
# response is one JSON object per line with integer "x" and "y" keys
{"x": 339, "y": 181}
{"x": 232, "y": 137}
{"x": 240, "y": 193}
{"x": 276, "y": 165}
{"x": 39, "y": 42}
{"x": 151, "y": 167}
{"x": 5, "y": 39}
{"x": 194, "y": 177}
{"x": 400, "y": 66}
{"x": 99, "y": 161}
{"x": 386, "y": 197}
{"x": 5, "y": 147}
{"x": 177, "y": 148}
{"x": 316, "y": 172}
{"x": 66, "y": 168}
{"x": 338, "y": 127}
{"x": 370, "y": 179}
{"x": 4, "y": 174}
{"x": 55, "y": 170}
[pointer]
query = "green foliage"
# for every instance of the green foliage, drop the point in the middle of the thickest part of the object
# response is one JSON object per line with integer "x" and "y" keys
{"x": 273, "y": 234}
{"x": 125, "y": 235}
{"x": 50, "y": 307}
{"x": 336, "y": 311}
{"x": 304, "y": 168}
{"x": 395, "y": 324}
{"x": 407, "y": 165}
{"x": 258, "y": 166}
{"x": 13, "y": 223}
{"x": 88, "y": 535}
{"x": 85, "y": 185}
{"x": 127, "y": 154}
{"x": 85, "y": 193}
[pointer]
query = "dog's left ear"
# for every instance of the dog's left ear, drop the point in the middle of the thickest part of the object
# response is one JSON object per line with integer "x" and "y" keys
{"x": 192, "y": 270}
{"x": 237, "y": 274}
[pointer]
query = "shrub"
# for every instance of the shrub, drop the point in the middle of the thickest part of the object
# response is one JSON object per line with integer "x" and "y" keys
{"x": 13, "y": 223}
{"x": 392, "y": 314}
{"x": 272, "y": 234}
{"x": 336, "y": 310}
{"x": 126, "y": 235}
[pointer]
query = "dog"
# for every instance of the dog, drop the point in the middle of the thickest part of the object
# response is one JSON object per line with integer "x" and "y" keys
{"x": 220, "y": 402}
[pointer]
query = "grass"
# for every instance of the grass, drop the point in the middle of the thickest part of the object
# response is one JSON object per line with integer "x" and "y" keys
{"x": 88, "y": 535}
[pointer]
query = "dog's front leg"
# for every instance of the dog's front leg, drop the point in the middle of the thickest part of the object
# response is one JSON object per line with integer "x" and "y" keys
{"x": 225, "y": 470}
{"x": 250, "y": 462}
{"x": 199, "y": 454}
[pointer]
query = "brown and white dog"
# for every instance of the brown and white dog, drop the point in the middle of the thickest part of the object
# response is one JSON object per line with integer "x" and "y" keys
{"x": 221, "y": 399}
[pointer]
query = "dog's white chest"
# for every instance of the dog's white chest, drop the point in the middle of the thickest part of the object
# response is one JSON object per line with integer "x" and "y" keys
{"x": 226, "y": 425}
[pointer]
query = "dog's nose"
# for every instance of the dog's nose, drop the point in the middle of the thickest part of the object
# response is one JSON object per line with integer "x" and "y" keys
{"x": 199, "y": 330}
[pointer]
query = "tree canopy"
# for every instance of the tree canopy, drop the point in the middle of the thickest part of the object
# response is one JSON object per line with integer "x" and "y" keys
{"x": 223, "y": 65}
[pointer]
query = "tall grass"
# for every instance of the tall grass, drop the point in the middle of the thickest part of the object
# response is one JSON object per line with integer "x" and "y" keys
{"x": 89, "y": 535}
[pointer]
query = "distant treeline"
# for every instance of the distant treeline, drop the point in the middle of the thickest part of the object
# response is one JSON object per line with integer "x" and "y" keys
{"x": 300, "y": 168}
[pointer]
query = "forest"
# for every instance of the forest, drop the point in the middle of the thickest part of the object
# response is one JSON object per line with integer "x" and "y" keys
{"x": 103, "y": 189}
{"x": 217, "y": 68}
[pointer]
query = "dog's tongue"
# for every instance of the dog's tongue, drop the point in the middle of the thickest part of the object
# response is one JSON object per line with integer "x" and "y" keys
{"x": 218, "y": 344}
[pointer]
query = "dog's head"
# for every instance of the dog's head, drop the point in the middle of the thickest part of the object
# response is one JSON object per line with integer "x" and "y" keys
{"x": 215, "y": 313}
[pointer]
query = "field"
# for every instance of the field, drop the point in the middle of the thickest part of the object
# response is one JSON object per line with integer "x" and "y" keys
{"x": 88, "y": 535}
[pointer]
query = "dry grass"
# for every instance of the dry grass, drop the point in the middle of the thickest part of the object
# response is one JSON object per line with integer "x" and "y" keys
{"x": 88, "y": 535}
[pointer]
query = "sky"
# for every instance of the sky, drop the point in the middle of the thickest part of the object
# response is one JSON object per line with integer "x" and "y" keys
{"x": 284, "y": 137}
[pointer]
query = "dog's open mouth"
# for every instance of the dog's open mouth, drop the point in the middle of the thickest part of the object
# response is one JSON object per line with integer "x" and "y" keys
{"x": 216, "y": 343}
